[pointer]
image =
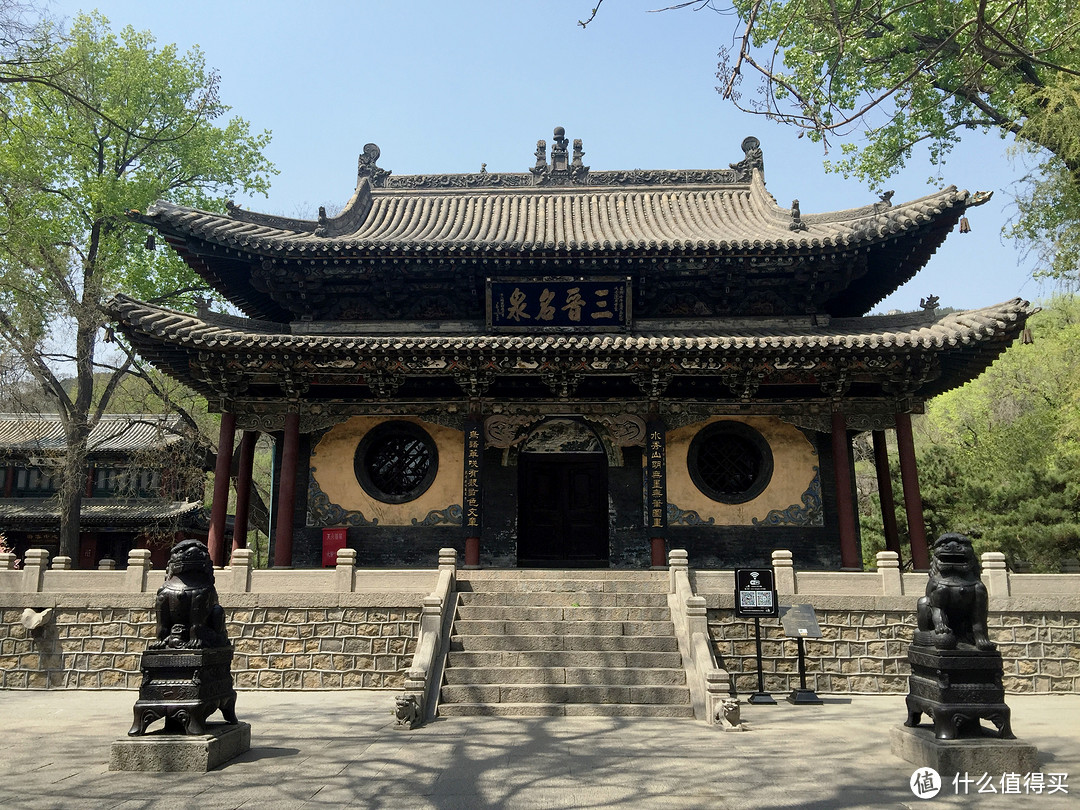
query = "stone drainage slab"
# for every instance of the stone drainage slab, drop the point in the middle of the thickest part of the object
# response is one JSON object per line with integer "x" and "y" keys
{"x": 181, "y": 752}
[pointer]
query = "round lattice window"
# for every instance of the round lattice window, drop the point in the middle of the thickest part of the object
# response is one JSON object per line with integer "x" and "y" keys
{"x": 396, "y": 462}
{"x": 730, "y": 462}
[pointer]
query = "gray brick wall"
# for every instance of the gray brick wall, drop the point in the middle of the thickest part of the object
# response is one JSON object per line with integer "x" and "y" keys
{"x": 275, "y": 647}
{"x": 865, "y": 651}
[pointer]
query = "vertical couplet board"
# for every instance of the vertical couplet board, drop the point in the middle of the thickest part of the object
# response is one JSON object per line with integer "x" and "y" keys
{"x": 654, "y": 460}
{"x": 471, "y": 481}
{"x": 755, "y": 593}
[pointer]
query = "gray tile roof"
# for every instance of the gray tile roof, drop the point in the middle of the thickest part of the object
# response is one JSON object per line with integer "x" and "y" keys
{"x": 720, "y": 219}
{"x": 98, "y": 512}
{"x": 114, "y": 433}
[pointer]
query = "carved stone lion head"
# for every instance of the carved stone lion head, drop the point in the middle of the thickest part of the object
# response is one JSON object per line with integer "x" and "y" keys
{"x": 192, "y": 559}
{"x": 954, "y": 557}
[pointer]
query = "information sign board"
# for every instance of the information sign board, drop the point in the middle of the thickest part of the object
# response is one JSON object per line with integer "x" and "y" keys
{"x": 755, "y": 592}
{"x": 799, "y": 621}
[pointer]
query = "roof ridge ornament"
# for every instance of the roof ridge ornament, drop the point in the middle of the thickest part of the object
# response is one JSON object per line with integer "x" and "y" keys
{"x": 796, "y": 223}
{"x": 754, "y": 159}
{"x": 563, "y": 169}
{"x": 365, "y": 166}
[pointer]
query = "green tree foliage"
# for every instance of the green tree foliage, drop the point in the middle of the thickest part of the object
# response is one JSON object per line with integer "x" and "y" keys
{"x": 909, "y": 72}
{"x": 1000, "y": 457}
{"x": 131, "y": 123}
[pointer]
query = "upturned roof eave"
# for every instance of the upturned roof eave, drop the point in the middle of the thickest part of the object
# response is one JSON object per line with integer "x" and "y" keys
{"x": 179, "y": 330}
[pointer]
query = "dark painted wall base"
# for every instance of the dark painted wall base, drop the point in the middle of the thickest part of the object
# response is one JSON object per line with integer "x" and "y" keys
{"x": 743, "y": 546}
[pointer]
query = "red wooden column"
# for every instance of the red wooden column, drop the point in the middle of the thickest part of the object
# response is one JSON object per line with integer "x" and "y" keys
{"x": 885, "y": 494}
{"x": 283, "y": 525}
{"x": 215, "y": 540}
{"x": 909, "y": 474}
{"x": 243, "y": 488}
{"x": 845, "y": 503}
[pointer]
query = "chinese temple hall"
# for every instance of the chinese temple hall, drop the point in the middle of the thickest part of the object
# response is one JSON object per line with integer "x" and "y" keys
{"x": 564, "y": 367}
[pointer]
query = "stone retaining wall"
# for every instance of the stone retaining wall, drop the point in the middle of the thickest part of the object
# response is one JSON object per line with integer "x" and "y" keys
{"x": 292, "y": 643}
{"x": 864, "y": 650}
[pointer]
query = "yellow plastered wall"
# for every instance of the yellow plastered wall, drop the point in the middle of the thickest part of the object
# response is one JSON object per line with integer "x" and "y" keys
{"x": 794, "y": 460}
{"x": 332, "y": 467}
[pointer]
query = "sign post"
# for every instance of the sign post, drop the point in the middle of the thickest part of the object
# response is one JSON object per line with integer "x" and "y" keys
{"x": 800, "y": 622}
{"x": 755, "y": 595}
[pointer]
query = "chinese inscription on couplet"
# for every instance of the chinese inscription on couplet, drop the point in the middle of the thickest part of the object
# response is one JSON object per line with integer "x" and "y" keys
{"x": 655, "y": 485}
{"x": 562, "y": 304}
{"x": 471, "y": 492}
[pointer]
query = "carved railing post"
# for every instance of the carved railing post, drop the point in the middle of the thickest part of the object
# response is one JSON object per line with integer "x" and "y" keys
{"x": 7, "y": 561}
{"x": 995, "y": 574}
{"x": 61, "y": 564}
{"x": 448, "y": 560}
{"x": 888, "y": 565}
{"x": 107, "y": 565}
{"x": 784, "y": 572}
{"x": 138, "y": 567}
{"x": 345, "y": 572}
{"x": 34, "y": 563}
{"x": 239, "y": 571}
{"x": 678, "y": 560}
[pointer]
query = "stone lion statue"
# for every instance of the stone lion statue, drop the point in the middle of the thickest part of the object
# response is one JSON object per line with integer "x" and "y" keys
{"x": 188, "y": 613}
{"x": 406, "y": 711}
{"x": 729, "y": 715}
{"x": 953, "y": 612}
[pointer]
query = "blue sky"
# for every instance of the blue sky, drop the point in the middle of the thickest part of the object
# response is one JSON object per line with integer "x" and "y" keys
{"x": 445, "y": 86}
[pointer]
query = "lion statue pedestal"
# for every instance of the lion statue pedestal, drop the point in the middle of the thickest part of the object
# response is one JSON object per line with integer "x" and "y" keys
{"x": 187, "y": 673}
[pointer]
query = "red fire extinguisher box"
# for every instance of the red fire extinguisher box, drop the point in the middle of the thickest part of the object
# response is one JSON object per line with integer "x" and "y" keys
{"x": 333, "y": 540}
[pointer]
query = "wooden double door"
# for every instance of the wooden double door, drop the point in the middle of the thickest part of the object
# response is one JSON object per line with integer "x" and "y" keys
{"x": 563, "y": 510}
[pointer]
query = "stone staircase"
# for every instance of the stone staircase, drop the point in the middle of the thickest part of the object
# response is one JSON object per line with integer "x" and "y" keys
{"x": 547, "y": 642}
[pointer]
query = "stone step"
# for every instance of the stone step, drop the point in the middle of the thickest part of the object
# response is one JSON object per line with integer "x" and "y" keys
{"x": 571, "y": 613}
{"x": 565, "y": 710}
{"x": 564, "y": 658}
{"x": 562, "y": 598}
{"x": 589, "y": 676}
{"x": 480, "y": 627}
{"x": 512, "y": 643}
{"x": 563, "y": 693}
{"x": 527, "y": 585}
{"x": 555, "y": 642}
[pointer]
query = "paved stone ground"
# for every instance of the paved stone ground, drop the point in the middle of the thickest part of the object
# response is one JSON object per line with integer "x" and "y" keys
{"x": 339, "y": 749}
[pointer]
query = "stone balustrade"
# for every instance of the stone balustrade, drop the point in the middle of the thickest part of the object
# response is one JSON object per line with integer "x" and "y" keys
{"x": 240, "y": 576}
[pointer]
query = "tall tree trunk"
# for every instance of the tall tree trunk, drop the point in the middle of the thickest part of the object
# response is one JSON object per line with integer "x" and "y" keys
{"x": 77, "y": 420}
{"x": 72, "y": 488}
